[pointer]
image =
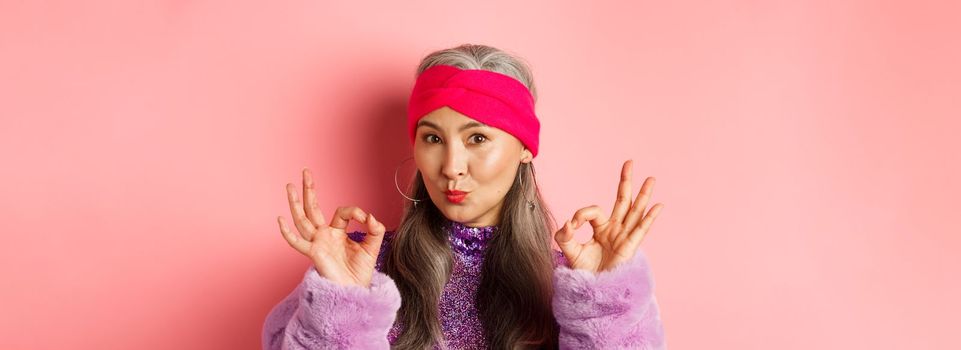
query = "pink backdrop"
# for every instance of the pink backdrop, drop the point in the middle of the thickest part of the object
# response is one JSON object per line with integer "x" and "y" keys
{"x": 806, "y": 152}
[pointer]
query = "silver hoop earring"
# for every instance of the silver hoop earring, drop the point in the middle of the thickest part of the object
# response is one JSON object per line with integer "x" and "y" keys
{"x": 398, "y": 186}
{"x": 530, "y": 203}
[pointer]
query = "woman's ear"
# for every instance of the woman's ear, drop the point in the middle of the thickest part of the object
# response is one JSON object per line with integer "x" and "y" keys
{"x": 526, "y": 156}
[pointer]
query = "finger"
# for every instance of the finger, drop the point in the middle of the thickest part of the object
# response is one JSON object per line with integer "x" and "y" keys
{"x": 343, "y": 216}
{"x": 623, "y": 201}
{"x": 640, "y": 204}
{"x": 293, "y": 239}
{"x": 303, "y": 225}
{"x": 375, "y": 236}
{"x": 313, "y": 213}
{"x": 593, "y": 215}
{"x": 637, "y": 236}
{"x": 565, "y": 240}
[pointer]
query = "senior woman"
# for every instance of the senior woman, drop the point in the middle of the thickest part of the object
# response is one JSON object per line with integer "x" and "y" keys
{"x": 471, "y": 263}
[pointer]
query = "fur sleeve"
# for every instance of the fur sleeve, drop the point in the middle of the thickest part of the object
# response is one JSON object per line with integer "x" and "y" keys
{"x": 614, "y": 309}
{"x": 321, "y": 314}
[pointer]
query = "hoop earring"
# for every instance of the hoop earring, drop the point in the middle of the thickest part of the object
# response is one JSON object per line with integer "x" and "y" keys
{"x": 530, "y": 203}
{"x": 398, "y": 186}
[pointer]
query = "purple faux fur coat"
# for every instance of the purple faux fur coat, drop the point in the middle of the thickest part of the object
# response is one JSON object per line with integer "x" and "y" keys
{"x": 614, "y": 309}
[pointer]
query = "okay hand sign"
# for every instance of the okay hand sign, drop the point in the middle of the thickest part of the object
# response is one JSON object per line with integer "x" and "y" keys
{"x": 616, "y": 238}
{"x": 335, "y": 256}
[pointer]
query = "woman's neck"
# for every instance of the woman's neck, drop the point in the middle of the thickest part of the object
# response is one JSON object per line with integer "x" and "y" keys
{"x": 467, "y": 239}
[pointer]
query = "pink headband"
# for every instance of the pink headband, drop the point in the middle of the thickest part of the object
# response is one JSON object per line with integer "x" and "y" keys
{"x": 489, "y": 97}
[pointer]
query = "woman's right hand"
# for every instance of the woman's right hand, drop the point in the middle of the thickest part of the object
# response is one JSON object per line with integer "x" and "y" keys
{"x": 335, "y": 256}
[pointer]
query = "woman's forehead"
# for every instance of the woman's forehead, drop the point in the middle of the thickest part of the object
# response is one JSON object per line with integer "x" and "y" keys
{"x": 445, "y": 113}
{"x": 448, "y": 118}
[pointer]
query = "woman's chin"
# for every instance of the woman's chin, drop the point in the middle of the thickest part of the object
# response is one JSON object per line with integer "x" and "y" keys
{"x": 455, "y": 213}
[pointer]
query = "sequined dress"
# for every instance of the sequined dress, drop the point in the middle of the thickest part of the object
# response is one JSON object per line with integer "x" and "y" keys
{"x": 458, "y": 313}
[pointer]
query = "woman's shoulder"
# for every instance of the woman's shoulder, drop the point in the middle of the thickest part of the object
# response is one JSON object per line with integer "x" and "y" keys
{"x": 559, "y": 259}
{"x": 359, "y": 236}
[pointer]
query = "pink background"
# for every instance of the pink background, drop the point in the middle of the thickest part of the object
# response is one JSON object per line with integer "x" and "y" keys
{"x": 807, "y": 154}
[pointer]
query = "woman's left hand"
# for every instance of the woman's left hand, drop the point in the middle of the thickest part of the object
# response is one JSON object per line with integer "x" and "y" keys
{"x": 615, "y": 239}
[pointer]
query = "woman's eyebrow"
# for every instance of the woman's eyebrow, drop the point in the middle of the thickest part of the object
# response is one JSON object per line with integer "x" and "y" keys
{"x": 469, "y": 125}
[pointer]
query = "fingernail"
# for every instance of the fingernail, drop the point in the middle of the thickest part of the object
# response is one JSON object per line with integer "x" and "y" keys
{"x": 371, "y": 217}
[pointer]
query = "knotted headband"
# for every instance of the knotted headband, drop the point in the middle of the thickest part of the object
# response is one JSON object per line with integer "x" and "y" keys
{"x": 492, "y": 98}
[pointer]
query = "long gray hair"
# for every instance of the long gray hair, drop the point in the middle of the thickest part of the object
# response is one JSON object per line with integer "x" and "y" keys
{"x": 514, "y": 295}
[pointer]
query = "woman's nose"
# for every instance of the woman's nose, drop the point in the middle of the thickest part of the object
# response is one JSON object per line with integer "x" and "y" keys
{"x": 455, "y": 162}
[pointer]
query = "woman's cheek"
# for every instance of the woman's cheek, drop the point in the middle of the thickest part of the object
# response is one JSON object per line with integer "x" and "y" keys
{"x": 492, "y": 161}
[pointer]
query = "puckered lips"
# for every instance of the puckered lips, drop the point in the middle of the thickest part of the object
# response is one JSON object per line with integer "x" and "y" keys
{"x": 455, "y": 196}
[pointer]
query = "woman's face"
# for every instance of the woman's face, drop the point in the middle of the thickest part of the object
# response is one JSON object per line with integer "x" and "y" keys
{"x": 455, "y": 152}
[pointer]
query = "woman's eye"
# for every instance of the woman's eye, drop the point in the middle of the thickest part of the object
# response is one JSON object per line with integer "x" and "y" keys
{"x": 476, "y": 138}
